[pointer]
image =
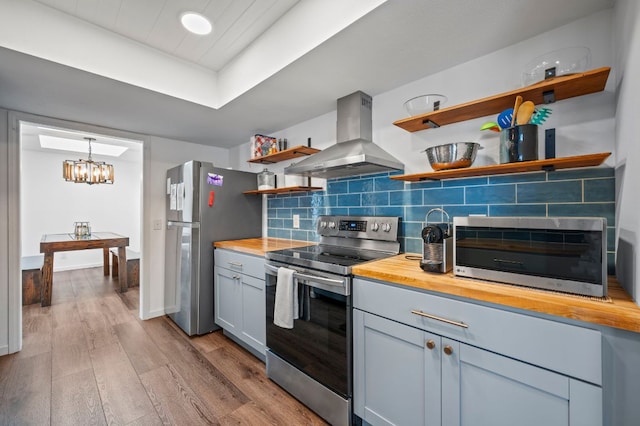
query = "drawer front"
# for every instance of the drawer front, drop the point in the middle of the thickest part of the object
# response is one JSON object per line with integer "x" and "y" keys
{"x": 240, "y": 262}
{"x": 571, "y": 350}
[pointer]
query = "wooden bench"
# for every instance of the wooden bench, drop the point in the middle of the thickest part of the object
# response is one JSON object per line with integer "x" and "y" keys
{"x": 31, "y": 278}
{"x": 133, "y": 266}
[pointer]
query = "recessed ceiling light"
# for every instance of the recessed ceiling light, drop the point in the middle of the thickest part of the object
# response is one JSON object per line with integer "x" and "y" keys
{"x": 196, "y": 23}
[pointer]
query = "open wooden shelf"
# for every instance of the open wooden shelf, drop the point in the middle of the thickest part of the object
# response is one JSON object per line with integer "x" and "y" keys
{"x": 284, "y": 190}
{"x": 559, "y": 88}
{"x": 518, "y": 167}
{"x": 287, "y": 154}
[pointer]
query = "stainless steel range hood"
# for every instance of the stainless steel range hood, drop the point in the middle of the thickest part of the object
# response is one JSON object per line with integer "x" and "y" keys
{"x": 354, "y": 153}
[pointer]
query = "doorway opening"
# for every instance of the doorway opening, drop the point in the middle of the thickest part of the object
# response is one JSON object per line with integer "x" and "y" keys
{"x": 51, "y": 205}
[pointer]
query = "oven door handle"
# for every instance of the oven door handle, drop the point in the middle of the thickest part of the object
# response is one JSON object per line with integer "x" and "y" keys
{"x": 272, "y": 270}
{"x": 329, "y": 281}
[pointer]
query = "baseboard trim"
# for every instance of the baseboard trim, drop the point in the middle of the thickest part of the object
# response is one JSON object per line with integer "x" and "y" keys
{"x": 74, "y": 267}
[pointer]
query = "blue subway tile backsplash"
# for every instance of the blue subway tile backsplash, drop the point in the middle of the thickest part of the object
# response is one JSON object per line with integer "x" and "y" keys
{"x": 550, "y": 192}
{"x": 444, "y": 196}
{"x": 599, "y": 190}
{"x": 592, "y": 173}
{"x": 529, "y": 210}
{"x": 375, "y": 199}
{"x": 518, "y": 177}
{"x": 574, "y": 192}
{"x": 349, "y": 200}
{"x": 465, "y": 182}
{"x": 362, "y": 211}
{"x": 361, "y": 185}
{"x": 338, "y": 187}
{"x": 490, "y": 194}
{"x": 411, "y": 197}
{"x": 383, "y": 183}
{"x": 605, "y": 210}
{"x": 290, "y": 202}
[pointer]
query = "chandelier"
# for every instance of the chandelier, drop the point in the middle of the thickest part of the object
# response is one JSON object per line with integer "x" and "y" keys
{"x": 87, "y": 171}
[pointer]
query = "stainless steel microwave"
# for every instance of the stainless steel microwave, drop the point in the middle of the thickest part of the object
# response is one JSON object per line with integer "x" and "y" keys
{"x": 567, "y": 254}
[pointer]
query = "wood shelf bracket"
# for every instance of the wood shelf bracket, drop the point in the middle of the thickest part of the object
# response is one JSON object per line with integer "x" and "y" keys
{"x": 431, "y": 123}
{"x": 549, "y": 96}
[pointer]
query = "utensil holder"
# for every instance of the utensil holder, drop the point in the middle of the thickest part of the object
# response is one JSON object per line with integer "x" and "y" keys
{"x": 519, "y": 143}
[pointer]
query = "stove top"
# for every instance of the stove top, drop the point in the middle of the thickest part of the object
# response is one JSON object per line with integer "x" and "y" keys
{"x": 345, "y": 241}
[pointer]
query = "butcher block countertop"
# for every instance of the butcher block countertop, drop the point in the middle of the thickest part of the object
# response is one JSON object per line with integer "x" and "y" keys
{"x": 617, "y": 310}
{"x": 259, "y": 246}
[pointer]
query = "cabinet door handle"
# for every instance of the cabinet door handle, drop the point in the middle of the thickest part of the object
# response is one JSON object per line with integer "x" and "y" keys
{"x": 236, "y": 264}
{"x": 431, "y": 344}
{"x": 448, "y": 321}
{"x": 236, "y": 277}
{"x": 448, "y": 350}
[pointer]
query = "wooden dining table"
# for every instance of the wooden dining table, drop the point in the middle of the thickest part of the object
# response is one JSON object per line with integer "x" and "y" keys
{"x": 51, "y": 243}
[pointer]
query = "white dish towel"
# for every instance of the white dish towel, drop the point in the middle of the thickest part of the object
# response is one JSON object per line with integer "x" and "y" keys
{"x": 286, "y": 304}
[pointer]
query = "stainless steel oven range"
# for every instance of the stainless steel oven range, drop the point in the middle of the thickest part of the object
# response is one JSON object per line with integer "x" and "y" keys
{"x": 312, "y": 360}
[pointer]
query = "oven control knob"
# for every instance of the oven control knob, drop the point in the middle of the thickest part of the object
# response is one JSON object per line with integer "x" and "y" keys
{"x": 375, "y": 226}
{"x": 323, "y": 224}
{"x": 332, "y": 225}
{"x": 386, "y": 227}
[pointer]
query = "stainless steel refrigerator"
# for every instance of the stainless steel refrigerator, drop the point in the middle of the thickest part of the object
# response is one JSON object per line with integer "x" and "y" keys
{"x": 204, "y": 204}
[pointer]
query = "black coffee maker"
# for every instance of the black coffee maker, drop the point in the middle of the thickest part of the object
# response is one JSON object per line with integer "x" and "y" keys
{"x": 437, "y": 244}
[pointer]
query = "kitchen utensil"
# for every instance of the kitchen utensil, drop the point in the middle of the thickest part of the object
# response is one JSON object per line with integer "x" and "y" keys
{"x": 540, "y": 116}
{"x": 437, "y": 244}
{"x": 490, "y": 125}
{"x": 424, "y": 103}
{"x": 452, "y": 155}
{"x": 504, "y": 118}
{"x": 519, "y": 143}
{"x": 516, "y": 106}
{"x": 569, "y": 60}
{"x": 525, "y": 112}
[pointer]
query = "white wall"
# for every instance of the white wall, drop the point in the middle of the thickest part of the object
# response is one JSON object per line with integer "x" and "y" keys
{"x": 321, "y": 130}
{"x": 164, "y": 154}
{"x": 49, "y": 205}
{"x": 61, "y": 38}
{"x": 583, "y": 125}
{"x": 627, "y": 60}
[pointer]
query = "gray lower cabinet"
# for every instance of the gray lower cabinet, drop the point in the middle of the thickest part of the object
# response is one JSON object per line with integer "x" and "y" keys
{"x": 396, "y": 380}
{"x": 406, "y": 374}
{"x": 240, "y": 298}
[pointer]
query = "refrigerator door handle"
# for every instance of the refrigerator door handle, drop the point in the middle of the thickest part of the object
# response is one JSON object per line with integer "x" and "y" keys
{"x": 184, "y": 224}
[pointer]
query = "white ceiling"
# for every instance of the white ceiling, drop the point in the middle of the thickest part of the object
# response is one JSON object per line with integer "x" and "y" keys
{"x": 155, "y": 23}
{"x": 30, "y": 133}
{"x": 396, "y": 43}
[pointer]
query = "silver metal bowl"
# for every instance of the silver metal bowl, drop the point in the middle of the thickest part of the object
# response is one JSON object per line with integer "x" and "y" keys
{"x": 452, "y": 155}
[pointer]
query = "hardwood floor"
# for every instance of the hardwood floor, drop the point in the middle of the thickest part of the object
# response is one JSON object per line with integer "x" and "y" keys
{"x": 88, "y": 360}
